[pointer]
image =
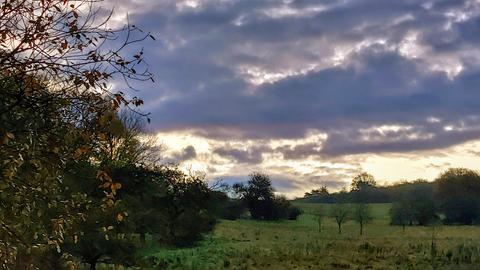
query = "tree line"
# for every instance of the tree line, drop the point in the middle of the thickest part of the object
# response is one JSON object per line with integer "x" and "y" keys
{"x": 452, "y": 198}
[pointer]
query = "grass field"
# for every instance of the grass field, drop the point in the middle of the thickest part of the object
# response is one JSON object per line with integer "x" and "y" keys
{"x": 248, "y": 244}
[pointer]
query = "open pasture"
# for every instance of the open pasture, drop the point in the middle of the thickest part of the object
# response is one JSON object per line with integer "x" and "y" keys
{"x": 248, "y": 244}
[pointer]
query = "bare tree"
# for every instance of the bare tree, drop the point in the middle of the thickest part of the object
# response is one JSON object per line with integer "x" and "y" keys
{"x": 320, "y": 215}
{"x": 340, "y": 213}
{"x": 362, "y": 215}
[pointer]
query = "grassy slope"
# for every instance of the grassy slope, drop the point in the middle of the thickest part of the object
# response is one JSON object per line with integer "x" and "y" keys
{"x": 247, "y": 244}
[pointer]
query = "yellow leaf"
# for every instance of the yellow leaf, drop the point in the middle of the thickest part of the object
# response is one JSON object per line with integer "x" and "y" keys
{"x": 105, "y": 185}
{"x": 80, "y": 152}
{"x": 102, "y": 136}
{"x": 115, "y": 187}
{"x": 103, "y": 175}
{"x": 119, "y": 217}
{"x": 110, "y": 202}
{"x": 8, "y": 137}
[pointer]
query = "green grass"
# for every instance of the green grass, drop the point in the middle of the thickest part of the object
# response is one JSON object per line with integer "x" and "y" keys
{"x": 248, "y": 244}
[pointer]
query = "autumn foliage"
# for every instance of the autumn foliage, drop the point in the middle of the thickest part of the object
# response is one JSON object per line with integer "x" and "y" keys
{"x": 71, "y": 167}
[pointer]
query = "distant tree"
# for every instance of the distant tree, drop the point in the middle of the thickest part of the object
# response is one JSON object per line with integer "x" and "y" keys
{"x": 362, "y": 215}
{"x": 401, "y": 214}
{"x": 323, "y": 191}
{"x": 413, "y": 204}
{"x": 340, "y": 213}
{"x": 258, "y": 195}
{"x": 294, "y": 212}
{"x": 288, "y": 210}
{"x": 363, "y": 181}
{"x": 283, "y": 209}
{"x": 321, "y": 195}
{"x": 363, "y": 189}
{"x": 320, "y": 215}
{"x": 233, "y": 209}
{"x": 457, "y": 192}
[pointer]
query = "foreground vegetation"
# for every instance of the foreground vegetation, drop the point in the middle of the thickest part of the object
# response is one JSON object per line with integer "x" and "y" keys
{"x": 81, "y": 183}
{"x": 249, "y": 244}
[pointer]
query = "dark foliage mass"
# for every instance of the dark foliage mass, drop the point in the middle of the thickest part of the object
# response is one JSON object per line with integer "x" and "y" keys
{"x": 80, "y": 185}
{"x": 258, "y": 196}
{"x": 413, "y": 204}
{"x": 453, "y": 198}
{"x": 457, "y": 193}
{"x": 81, "y": 182}
{"x": 233, "y": 209}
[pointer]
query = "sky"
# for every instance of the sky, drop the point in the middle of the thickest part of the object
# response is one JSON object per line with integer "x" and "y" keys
{"x": 313, "y": 92}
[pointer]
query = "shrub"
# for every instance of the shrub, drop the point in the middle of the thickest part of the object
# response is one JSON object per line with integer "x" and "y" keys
{"x": 294, "y": 213}
{"x": 457, "y": 193}
{"x": 258, "y": 195}
{"x": 233, "y": 209}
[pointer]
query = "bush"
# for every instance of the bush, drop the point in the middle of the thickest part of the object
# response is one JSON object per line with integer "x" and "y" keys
{"x": 187, "y": 210}
{"x": 413, "y": 205}
{"x": 258, "y": 195}
{"x": 294, "y": 213}
{"x": 457, "y": 193}
{"x": 233, "y": 209}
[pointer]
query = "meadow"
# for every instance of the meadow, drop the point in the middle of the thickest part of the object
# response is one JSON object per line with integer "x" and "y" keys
{"x": 249, "y": 244}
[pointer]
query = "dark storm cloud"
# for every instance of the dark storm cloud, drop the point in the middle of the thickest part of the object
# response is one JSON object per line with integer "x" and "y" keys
{"x": 188, "y": 152}
{"x": 251, "y": 155}
{"x": 185, "y": 154}
{"x": 300, "y": 151}
{"x": 201, "y": 51}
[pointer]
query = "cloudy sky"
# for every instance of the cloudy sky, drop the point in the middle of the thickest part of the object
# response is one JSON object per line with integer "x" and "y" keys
{"x": 313, "y": 92}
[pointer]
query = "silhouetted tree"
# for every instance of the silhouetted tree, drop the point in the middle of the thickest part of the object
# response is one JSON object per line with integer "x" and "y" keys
{"x": 319, "y": 215}
{"x": 323, "y": 191}
{"x": 363, "y": 188}
{"x": 362, "y": 215}
{"x": 401, "y": 214}
{"x": 413, "y": 204}
{"x": 363, "y": 181}
{"x": 457, "y": 192}
{"x": 258, "y": 195}
{"x": 233, "y": 209}
{"x": 340, "y": 213}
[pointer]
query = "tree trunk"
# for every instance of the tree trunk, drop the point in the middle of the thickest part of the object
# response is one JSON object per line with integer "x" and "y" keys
{"x": 339, "y": 228}
{"x": 361, "y": 228}
{"x": 93, "y": 263}
{"x": 143, "y": 239}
